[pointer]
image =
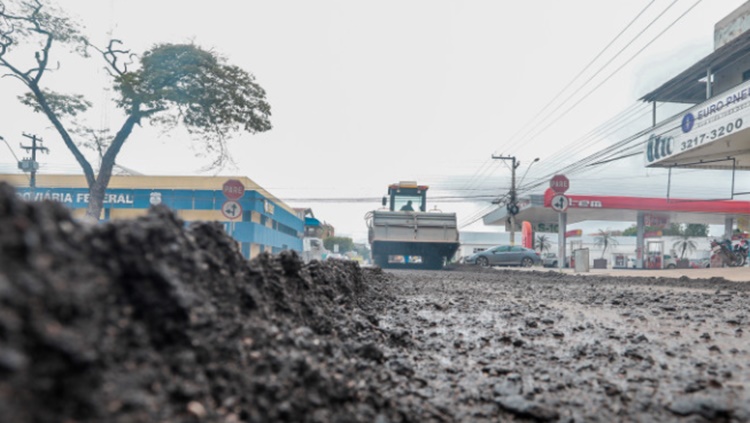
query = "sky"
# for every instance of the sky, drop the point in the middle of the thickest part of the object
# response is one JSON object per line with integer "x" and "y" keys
{"x": 368, "y": 93}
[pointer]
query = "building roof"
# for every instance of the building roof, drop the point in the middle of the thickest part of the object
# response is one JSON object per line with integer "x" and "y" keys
{"x": 690, "y": 85}
{"x": 213, "y": 183}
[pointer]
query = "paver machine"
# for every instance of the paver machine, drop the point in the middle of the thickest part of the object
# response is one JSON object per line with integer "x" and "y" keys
{"x": 404, "y": 234}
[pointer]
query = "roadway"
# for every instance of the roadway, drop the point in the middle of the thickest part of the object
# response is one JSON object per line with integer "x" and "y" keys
{"x": 736, "y": 274}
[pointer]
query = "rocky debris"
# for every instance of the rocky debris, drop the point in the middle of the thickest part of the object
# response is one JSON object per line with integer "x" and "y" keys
{"x": 541, "y": 347}
{"x": 149, "y": 320}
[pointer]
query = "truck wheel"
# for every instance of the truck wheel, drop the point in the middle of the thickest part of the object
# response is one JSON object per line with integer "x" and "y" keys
{"x": 483, "y": 262}
{"x": 526, "y": 262}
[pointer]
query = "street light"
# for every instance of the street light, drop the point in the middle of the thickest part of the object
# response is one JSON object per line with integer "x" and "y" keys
{"x": 527, "y": 171}
{"x": 9, "y": 148}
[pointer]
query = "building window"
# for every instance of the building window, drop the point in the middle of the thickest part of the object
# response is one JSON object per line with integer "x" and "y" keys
{"x": 284, "y": 229}
{"x": 746, "y": 75}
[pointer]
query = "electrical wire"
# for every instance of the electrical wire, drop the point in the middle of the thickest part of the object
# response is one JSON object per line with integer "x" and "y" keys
{"x": 584, "y": 69}
{"x": 613, "y": 73}
{"x": 613, "y": 122}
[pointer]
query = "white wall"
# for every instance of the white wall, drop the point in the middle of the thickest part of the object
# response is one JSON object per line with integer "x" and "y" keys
{"x": 625, "y": 245}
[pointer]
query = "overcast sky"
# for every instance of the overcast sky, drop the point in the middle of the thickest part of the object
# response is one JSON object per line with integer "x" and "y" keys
{"x": 368, "y": 93}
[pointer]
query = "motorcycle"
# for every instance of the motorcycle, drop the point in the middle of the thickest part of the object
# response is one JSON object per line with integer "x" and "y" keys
{"x": 741, "y": 249}
{"x": 730, "y": 256}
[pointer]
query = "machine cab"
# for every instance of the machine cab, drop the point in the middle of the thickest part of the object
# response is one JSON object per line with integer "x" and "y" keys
{"x": 405, "y": 195}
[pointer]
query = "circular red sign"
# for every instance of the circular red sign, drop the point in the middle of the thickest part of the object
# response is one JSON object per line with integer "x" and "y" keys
{"x": 559, "y": 184}
{"x": 233, "y": 189}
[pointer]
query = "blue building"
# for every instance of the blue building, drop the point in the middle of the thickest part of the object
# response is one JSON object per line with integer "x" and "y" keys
{"x": 255, "y": 218}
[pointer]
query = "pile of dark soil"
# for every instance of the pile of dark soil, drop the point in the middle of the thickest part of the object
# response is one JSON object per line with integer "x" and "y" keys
{"x": 149, "y": 320}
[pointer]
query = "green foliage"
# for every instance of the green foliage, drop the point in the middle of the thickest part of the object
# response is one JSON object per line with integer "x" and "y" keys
{"x": 696, "y": 229}
{"x": 20, "y": 16}
{"x": 542, "y": 243}
{"x": 630, "y": 231}
{"x": 605, "y": 239}
{"x": 674, "y": 229}
{"x": 60, "y": 104}
{"x": 169, "y": 84}
{"x": 208, "y": 96}
{"x": 633, "y": 230}
{"x": 345, "y": 244}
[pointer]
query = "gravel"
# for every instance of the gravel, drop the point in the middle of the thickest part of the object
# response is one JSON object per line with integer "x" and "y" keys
{"x": 153, "y": 320}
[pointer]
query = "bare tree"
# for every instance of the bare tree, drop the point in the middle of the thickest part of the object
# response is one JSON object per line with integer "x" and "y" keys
{"x": 167, "y": 85}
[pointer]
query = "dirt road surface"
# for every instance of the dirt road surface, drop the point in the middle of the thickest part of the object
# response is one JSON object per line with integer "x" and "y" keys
{"x": 557, "y": 347}
{"x": 151, "y": 321}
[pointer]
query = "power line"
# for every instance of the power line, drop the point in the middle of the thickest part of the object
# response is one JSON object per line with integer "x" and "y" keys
{"x": 614, "y": 122}
{"x": 584, "y": 69}
{"x": 615, "y": 72}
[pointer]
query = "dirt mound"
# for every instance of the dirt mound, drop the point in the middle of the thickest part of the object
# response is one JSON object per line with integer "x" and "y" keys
{"x": 149, "y": 320}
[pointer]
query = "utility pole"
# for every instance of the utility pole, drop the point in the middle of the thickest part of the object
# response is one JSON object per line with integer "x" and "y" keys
{"x": 31, "y": 165}
{"x": 512, "y": 206}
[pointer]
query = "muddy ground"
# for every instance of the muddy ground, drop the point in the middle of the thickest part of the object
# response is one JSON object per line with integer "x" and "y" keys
{"x": 150, "y": 320}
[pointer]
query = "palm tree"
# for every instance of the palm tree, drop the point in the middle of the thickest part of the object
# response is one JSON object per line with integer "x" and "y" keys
{"x": 684, "y": 244}
{"x": 604, "y": 239}
{"x": 542, "y": 243}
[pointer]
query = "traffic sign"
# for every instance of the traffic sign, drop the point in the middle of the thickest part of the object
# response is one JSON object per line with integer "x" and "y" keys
{"x": 559, "y": 184}
{"x": 231, "y": 209}
{"x": 560, "y": 203}
{"x": 233, "y": 189}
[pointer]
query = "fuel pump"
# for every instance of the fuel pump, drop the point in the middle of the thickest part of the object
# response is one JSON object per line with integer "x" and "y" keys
{"x": 654, "y": 254}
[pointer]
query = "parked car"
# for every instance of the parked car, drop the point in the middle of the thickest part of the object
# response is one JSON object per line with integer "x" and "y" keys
{"x": 505, "y": 255}
{"x": 700, "y": 263}
{"x": 549, "y": 260}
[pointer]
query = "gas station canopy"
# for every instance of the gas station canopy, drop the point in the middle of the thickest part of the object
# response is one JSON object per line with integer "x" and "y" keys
{"x": 537, "y": 210}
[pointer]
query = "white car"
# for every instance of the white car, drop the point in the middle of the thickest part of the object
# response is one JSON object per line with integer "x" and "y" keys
{"x": 549, "y": 260}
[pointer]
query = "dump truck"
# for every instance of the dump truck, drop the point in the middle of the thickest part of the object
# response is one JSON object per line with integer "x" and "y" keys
{"x": 404, "y": 234}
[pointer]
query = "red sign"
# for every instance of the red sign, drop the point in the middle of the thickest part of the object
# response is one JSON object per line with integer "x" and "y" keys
{"x": 574, "y": 232}
{"x": 559, "y": 184}
{"x": 233, "y": 189}
{"x": 655, "y": 220}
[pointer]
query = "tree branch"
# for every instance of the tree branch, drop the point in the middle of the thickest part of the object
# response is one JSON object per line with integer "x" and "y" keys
{"x": 111, "y": 56}
{"x": 88, "y": 171}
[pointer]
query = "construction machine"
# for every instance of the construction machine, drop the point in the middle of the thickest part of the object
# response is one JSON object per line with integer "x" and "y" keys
{"x": 404, "y": 234}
